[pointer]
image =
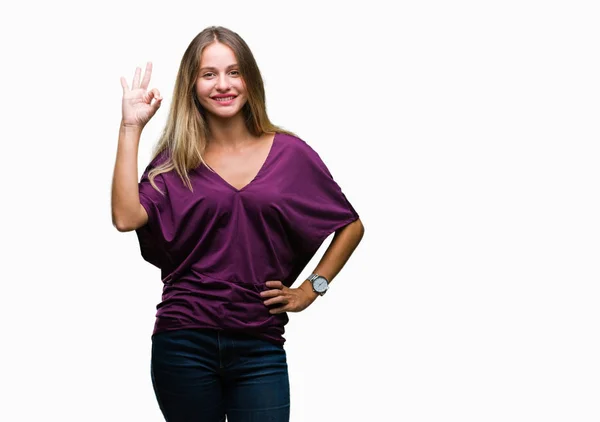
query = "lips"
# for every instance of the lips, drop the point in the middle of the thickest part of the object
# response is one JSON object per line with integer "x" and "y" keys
{"x": 224, "y": 100}
{"x": 223, "y": 97}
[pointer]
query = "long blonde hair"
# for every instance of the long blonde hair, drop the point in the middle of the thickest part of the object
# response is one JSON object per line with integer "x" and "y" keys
{"x": 185, "y": 134}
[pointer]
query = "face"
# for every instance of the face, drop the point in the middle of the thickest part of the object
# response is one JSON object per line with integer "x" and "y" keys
{"x": 220, "y": 88}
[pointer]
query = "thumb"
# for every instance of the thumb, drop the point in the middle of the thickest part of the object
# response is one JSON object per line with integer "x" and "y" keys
{"x": 156, "y": 104}
{"x": 151, "y": 94}
{"x": 157, "y": 98}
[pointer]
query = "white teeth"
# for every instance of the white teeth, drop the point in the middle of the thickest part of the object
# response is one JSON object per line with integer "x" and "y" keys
{"x": 224, "y": 99}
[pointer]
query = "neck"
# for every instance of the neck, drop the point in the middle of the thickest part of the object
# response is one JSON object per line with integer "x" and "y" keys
{"x": 228, "y": 133}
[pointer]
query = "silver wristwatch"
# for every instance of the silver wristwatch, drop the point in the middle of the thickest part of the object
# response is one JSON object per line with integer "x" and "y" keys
{"x": 319, "y": 283}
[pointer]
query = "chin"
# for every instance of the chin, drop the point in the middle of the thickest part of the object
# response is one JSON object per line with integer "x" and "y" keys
{"x": 225, "y": 114}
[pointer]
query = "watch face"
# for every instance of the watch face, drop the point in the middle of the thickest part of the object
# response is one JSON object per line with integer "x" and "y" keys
{"x": 320, "y": 284}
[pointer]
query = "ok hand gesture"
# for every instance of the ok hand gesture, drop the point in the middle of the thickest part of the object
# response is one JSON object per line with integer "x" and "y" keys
{"x": 137, "y": 106}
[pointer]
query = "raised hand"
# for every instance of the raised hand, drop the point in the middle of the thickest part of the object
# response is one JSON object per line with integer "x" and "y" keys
{"x": 138, "y": 106}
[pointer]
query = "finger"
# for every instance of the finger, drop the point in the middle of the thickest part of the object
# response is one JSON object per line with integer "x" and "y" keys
{"x": 157, "y": 98}
{"x": 124, "y": 85}
{"x": 276, "y": 299}
{"x": 278, "y": 310}
{"x": 148, "y": 96}
{"x": 147, "y": 75}
{"x": 156, "y": 104}
{"x": 156, "y": 93}
{"x": 136, "y": 78}
{"x": 271, "y": 293}
{"x": 275, "y": 284}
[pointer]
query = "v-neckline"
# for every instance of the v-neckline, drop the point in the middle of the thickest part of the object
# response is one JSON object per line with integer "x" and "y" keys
{"x": 260, "y": 170}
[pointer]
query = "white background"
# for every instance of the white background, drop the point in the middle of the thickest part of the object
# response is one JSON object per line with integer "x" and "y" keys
{"x": 464, "y": 133}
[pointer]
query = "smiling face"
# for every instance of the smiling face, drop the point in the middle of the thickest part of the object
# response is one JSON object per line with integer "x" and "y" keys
{"x": 219, "y": 87}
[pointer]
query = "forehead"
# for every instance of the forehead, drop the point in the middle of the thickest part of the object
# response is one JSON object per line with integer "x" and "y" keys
{"x": 217, "y": 55}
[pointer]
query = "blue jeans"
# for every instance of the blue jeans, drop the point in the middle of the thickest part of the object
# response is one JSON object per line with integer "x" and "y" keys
{"x": 203, "y": 375}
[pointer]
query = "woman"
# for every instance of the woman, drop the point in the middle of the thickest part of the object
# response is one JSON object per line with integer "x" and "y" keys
{"x": 231, "y": 208}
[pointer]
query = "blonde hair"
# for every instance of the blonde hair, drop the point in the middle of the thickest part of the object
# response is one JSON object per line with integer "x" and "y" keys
{"x": 185, "y": 134}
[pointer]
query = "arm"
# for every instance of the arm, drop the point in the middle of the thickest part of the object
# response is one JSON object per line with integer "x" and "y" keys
{"x": 127, "y": 212}
{"x": 335, "y": 257}
{"x": 137, "y": 108}
{"x": 337, "y": 254}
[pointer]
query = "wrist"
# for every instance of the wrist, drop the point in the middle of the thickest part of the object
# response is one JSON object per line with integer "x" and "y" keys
{"x": 128, "y": 127}
{"x": 309, "y": 291}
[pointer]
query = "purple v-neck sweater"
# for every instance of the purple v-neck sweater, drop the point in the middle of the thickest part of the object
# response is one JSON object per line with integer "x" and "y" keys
{"x": 218, "y": 245}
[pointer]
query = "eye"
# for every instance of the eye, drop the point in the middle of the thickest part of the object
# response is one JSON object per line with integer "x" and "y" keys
{"x": 206, "y": 75}
{"x": 235, "y": 73}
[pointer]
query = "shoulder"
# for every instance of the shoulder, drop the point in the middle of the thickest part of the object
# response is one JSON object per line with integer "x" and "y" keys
{"x": 159, "y": 158}
{"x": 301, "y": 154}
{"x": 297, "y": 146}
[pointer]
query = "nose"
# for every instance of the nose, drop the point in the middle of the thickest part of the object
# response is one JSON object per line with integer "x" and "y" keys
{"x": 222, "y": 83}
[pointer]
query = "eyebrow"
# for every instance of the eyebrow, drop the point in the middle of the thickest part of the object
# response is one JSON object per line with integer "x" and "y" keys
{"x": 214, "y": 68}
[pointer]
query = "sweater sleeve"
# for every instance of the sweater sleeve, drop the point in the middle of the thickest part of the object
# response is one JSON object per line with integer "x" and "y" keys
{"x": 151, "y": 236}
{"x": 316, "y": 206}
